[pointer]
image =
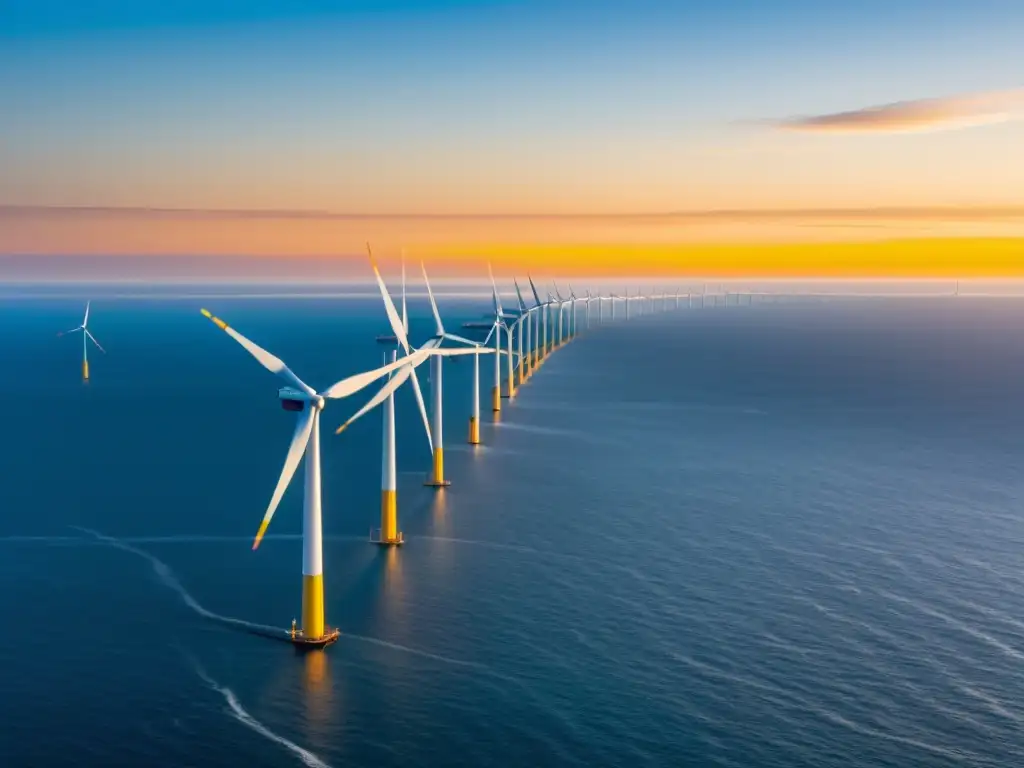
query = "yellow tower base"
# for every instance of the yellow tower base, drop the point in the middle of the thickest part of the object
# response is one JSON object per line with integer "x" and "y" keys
{"x": 313, "y": 607}
{"x": 85, "y": 370}
{"x": 521, "y": 379}
{"x": 496, "y": 399}
{"x": 474, "y": 431}
{"x": 388, "y": 533}
{"x": 437, "y": 479}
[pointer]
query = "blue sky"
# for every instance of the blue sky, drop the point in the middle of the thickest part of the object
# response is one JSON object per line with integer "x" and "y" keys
{"x": 495, "y": 106}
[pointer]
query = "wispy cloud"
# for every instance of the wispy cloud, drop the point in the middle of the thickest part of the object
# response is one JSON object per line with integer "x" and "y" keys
{"x": 917, "y": 115}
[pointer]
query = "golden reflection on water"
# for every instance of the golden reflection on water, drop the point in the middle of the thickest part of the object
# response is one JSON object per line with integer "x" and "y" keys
{"x": 318, "y": 696}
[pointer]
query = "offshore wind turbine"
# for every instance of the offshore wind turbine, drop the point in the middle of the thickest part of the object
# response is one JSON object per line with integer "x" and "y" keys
{"x": 436, "y": 391}
{"x": 307, "y": 404}
{"x": 388, "y": 533}
{"x": 541, "y": 348}
{"x": 561, "y": 307}
{"x": 500, "y": 318}
{"x": 86, "y": 338}
{"x": 572, "y": 312}
{"x": 525, "y": 322}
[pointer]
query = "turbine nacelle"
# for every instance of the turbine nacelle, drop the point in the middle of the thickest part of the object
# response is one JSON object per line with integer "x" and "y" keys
{"x": 295, "y": 400}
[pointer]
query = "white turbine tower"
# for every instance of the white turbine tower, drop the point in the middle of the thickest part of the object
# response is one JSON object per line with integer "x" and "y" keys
{"x": 525, "y": 324}
{"x": 541, "y": 347}
{"x": 86, "y": 338}
{"x": 501, "y": 318}
{"x": 307, "y": 403}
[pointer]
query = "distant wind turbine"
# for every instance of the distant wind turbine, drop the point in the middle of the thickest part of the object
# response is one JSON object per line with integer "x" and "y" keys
{"x": 86, "y": 337}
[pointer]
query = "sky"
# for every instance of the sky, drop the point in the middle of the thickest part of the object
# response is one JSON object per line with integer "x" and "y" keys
{"x": 274, "y": 129}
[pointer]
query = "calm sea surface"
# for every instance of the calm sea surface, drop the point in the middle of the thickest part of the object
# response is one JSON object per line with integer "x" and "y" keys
{"x": 775, "y": 535}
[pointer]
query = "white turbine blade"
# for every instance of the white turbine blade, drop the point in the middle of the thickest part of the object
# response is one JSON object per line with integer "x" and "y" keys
{"x": 267, "y": 360}
{"x": 397, "y": 326}
{"x": 393, "y": 383}
{"x": 461, "y": 340}
{"x": 490, "y": 333}
{"x": 452, "y": 352}
{"x": 433, "y": 304}
{"x": 352, "y": 384}
{"x": 405, "y": 315}
{"x": 423, "y": 409}
{"x": 73, "y": 330}
{"x": 494, "y": 292}
{"x": 85, "y": 320}
{"x": 519, "y": 296}
{"x": 101, "y": 349}
{"x": 303, "y": 427}
{"x": 536, "y": 296}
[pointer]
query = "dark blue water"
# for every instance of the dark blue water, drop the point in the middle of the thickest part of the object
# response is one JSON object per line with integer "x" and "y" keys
{"x": 756, "y": 536}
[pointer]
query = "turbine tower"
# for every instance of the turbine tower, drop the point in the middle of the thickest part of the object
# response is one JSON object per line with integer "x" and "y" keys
{"x": 86, "y": 338}
{"x": 500, "y": 317}
{"x": 541, "y": 347}
{"x": 524, "y": 322}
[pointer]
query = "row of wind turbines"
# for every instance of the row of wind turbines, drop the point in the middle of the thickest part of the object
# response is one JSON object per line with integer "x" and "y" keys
{"x": 525, "y": 336}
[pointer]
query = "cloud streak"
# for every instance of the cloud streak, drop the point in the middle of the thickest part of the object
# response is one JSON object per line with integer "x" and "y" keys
{"x": 916, "y": 116}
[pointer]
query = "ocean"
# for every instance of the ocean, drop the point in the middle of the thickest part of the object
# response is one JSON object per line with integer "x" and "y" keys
{"x": 783, "y": 534}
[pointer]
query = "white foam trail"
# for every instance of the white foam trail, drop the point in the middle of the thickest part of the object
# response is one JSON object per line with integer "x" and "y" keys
{"x": 170, "y": 580}
{"x": 166, "y": 575}
{"x": 240, "y": 714}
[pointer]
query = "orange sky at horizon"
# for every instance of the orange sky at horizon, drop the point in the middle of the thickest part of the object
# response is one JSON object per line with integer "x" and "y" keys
{"x": 894, "y": 243}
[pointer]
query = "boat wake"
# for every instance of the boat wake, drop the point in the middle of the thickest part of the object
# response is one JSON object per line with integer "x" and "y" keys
{"x": 242, "y": 716}
{"x": 170, "y": 580}
{"x": 167, "y": 577}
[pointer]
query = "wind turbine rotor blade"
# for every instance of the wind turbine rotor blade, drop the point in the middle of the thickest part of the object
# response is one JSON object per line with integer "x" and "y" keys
{"x": 73, "y": 330}
{"x": 519, "y": 296}
{"x": 433, "y": 304}
{"x": 267, "y": 360}
{"x": 454, "y": 351}
{"x": 461, "y": 340}
{"x": 536, "y": 296}
{"x": 397, "y": 326}
{"x": 405, "y": 315}
{"x": 352, "y": 384}
{"x": 101, "y": 349}
{"x": 393, "y": 383}
{"x": 85, "y": 320}
{"x": 494, "y": 292}
{"x": 418, "y": 393}
{"x": 303, "y": 427}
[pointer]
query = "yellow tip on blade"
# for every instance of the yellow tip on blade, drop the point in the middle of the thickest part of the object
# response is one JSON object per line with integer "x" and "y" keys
{"x": 259, "y": 534}
{"x": 342, "y": 428}
{"x": 216, "y": 320}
